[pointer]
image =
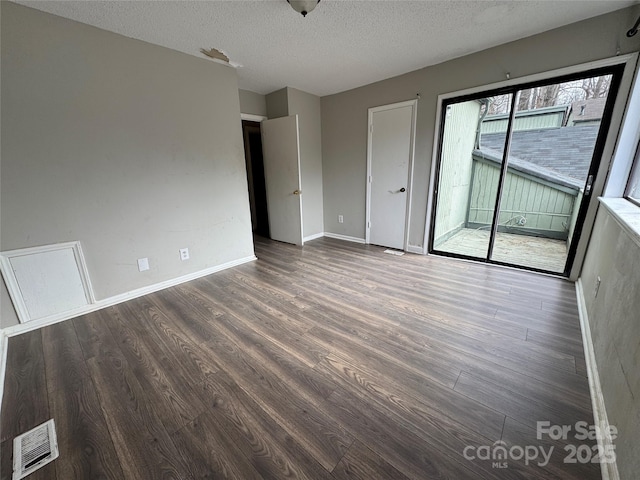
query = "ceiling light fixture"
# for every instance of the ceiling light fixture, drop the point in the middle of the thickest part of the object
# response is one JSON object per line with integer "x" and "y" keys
{"x": 303, "y": 6}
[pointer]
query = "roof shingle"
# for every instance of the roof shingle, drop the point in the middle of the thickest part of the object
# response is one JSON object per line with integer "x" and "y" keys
{"x": 567, "y": 150}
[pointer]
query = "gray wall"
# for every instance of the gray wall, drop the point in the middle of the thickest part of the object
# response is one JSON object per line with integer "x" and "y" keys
{"x": 133, "y": 149}
{"x": 614, "y": 318}
{"x": 344, "y": 115}
{"x": 289, "y": 101}
{"x": 277, "y": 103}
{"x": 253, "y": 103}
{"x": 8, "y": 316}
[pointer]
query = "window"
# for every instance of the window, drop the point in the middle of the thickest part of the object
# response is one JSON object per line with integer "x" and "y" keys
{"x": 515, "y": 169}
{"x": 633, "y": 188}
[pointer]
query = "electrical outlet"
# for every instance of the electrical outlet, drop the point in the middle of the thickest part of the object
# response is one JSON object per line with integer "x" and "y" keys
{"x": 184, "y": 254}
{"x": 340, "y": 219}
{"x": 143, "y": 264}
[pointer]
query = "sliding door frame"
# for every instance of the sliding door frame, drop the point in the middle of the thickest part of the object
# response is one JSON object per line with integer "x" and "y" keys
{"x": 623, "y": 69}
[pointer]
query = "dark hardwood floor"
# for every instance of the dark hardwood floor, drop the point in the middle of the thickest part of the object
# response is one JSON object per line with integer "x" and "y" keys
{"x": 335, "y": 361}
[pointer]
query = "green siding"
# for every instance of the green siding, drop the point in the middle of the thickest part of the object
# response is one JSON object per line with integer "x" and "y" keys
{"x": 530, "y": 122}
{"x": 456, "y": 162}
{"x": 546, "y": 209}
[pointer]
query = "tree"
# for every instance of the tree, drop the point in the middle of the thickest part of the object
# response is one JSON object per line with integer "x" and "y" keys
{"x": 553, "y": 95}
{"x": 499, "y": 104}
{"x": 539, "y": 97}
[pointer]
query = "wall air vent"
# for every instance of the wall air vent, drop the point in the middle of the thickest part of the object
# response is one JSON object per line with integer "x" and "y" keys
{"x": 34, "y": 449}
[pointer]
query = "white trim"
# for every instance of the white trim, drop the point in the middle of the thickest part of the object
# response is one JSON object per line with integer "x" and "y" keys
{"x": 252, "y": 118}
{"x": 608, "y": 151}
{"x": 416, "y": 249}
{"x": 626, "y": 144}
{"x": 107, "y": 302}
{"x": 414, "y": 115}
{"x": 12, "y": 282}
{"x": 300, "y": 199}
{"x": 626, "y": 215}
{"x": 346, "y": 238}
{"x": 123, "y": 297}
{"x": 4, "y": 343}
{"x": 412, "y": 156}
{"x": 313, "y": 237}
{"x": 609, "y": 470}
{"x": 432, "y": 175}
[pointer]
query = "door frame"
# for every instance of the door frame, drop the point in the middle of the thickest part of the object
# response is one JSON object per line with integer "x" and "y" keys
{"x": 252, "y": 118}
{"x": 412, "y": 151}
{"x": 609, "y": 144}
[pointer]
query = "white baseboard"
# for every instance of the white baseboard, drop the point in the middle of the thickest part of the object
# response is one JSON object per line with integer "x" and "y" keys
{"x": 313, "y": 237}
{"x": 4, "y": 343}
{"x": 123, "y": 297}
{"x": 609, "y": 470}
{"x": 415, "y": 249}
{"x": 107, "y": 302}
{"x": 346, "y": 238}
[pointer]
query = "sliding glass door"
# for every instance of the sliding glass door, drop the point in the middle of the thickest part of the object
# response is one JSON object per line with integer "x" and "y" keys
{"x": 516, "y": 167}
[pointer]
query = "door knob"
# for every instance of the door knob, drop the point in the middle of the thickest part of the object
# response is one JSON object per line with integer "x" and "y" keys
{"x": 297, "y": 192}
{"x": 403, "y": 189}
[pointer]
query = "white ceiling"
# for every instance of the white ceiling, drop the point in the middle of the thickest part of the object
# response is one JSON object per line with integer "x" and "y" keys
{"x": 342, "y": 44}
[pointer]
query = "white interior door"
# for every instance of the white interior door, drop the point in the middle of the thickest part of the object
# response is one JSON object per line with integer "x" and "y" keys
{"x": 281, "y": 153}
{"x": 389, "y": 165}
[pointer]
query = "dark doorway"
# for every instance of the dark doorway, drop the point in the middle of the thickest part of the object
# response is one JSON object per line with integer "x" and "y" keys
{"x": 255, "y": 177}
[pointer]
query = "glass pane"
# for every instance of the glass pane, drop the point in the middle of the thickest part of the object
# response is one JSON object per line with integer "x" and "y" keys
{"x": 633, "y": 190}
{"x": 468, "y": 176}
{"x": 554, "y": 136}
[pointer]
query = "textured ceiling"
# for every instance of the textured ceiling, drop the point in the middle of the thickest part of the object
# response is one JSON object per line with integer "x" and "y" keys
{"x": 342, "y": 44}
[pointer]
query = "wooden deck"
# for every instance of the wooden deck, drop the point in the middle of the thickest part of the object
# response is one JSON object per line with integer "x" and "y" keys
{"x": 335, "y": 361}
{"x": 534, "y": 252}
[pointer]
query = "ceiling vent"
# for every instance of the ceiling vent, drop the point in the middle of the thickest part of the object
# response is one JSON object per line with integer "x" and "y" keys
{"x": 34, "y": 449}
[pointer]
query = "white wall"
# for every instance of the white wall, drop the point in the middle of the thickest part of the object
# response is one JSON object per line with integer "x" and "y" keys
{"x": 132, "y": 149}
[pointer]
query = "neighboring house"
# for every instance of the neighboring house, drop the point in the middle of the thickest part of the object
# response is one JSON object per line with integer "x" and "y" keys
{"x": 585, "y": 112}
{"x": 547, "y": 117}
{"x": 547, "y": 172}
{"x": 567, "y": 151}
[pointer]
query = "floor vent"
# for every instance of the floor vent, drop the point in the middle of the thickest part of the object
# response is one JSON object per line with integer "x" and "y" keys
{"x": 393, "y": 252}
{"x": 34, "y": 449}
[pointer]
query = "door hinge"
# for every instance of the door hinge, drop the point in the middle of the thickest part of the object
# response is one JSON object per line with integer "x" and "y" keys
{"x": 369, "y": 178}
